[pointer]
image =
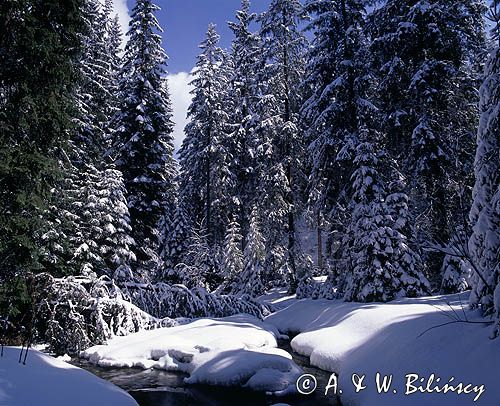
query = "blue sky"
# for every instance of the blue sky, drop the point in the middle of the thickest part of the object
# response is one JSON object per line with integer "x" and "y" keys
{"x": 185, "y": 23}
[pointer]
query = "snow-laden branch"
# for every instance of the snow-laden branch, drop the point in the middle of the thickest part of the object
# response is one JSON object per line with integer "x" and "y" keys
{"x": 74, "y": 313}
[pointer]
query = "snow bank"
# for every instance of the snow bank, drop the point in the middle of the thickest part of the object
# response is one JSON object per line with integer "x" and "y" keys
{"x": 45, "y": 380}
{"x": 232, "y": 351}
{"x": 350, "y": 338}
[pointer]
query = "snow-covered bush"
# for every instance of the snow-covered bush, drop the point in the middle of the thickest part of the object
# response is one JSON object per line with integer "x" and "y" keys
{"x": 201, "y": 265}
{"x": 163, "y": 300}
{"x": 76, "y": 312}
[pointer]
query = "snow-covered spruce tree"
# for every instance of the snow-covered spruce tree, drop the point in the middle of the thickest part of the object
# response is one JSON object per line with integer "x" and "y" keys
{"x": 383, "y": 267}
{"x": 232, "y": 259}
{"x": 484, "y": 215}
{"x": 202, "y": 157}
{"x": 84, "y": 153}
{"x": 280, "y": 143}
{"x": 454, "y": 274}
{"x": 243, "y": 85}
{"x": 425, "y": 53}
{"x": 59, "y": 242}
{"x": 115, "y": 243}
{"x": 335, "y": 81}
{"x": 81, "y": 202}
{"x": 92, "y": 213}
{"x": 39, "y": 48}
{"x": 250, "y": 280}
{"x": 90, "y": 231}
{"x": 95, "y": 85}
{"x": 142, "y": 140}
{"x": 226, "y": 168}
{"x": 113, "y": 50}
{"x": 176, "y": 236}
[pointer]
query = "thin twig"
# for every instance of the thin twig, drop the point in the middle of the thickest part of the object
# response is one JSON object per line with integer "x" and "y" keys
{"x": 488, "y": 323}
{"x": 445, "y": 313}
{"x": 453, "y": 310}
{"x": 462, "y": 307}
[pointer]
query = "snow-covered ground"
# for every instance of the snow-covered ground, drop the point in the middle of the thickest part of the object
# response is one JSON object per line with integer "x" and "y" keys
{"x": 45, "y": 380}
{"x": 422, "y": 345}
{"x": 363, "y": 339}
{"x": 233, "y": 351}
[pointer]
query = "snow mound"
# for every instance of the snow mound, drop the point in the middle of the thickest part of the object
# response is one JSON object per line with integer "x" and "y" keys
{"x": 397, "y": 338}
{"x": 232, "y": 351}
{"x": 260, "y": 371}
{"x": 45, "y": 380}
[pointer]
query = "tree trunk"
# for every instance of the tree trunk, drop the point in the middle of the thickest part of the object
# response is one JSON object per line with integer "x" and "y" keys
{"x": 289, "y": 197}
{"x": 320, "y": 241}
{"x": 208, "y": 198}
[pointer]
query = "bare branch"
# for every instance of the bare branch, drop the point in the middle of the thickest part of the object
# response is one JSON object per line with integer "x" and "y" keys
{"x": 488, "y": 323}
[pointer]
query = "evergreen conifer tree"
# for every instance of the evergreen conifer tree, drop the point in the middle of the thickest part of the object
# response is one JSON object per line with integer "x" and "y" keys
{"x": 336, "y": 81}
{"x": 177, "y": 236}
{"x": 203, "y": 157}
{"x": 232, "y": 259}
{"x": 142, "y": 140}
{"x": 425, "y": 54}
{"x": 484, "y": 215}
{"x": 39, "y": 48}
{"x": 243, "y": 93}
{"x": 250, "y": 281}
{"x": 382, "y": 264}
{"x": 280, "y": 145}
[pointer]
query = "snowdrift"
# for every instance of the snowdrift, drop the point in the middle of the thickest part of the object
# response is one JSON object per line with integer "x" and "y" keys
{"x": 398, "y": 338}
{"x": 45, "y": 380}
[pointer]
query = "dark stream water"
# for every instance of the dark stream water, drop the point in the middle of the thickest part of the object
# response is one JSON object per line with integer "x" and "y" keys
{"x": 162, "y": 388}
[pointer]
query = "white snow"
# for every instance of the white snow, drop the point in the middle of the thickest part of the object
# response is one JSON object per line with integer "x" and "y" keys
{"x": 277, "y": 299}
{"x": 350, "y": 338}
{"x": 232, "y": 351}
{"x": 45, "y": 380}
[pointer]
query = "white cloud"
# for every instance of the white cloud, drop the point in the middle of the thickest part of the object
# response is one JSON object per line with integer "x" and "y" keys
{"x": 178, "y": 83}
{"x": 179, "y": 87}
{"x": 120, "y": 7}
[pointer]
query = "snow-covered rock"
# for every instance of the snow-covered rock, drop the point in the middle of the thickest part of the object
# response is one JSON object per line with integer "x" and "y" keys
{"x": 233, "y": 351}
{"x": 45, "y": 380}
{"x": 392, "y": 338}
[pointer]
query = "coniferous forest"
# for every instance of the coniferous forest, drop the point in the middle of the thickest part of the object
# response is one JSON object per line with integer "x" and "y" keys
{"x": 339, "y": 149}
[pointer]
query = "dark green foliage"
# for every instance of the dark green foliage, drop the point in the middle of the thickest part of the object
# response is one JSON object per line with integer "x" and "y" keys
{"x": 38, "y": 47}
